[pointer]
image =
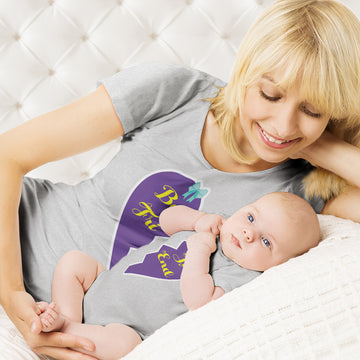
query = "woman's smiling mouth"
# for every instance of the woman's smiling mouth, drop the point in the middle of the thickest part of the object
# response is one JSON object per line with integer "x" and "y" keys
{"x": 275, "y": 142}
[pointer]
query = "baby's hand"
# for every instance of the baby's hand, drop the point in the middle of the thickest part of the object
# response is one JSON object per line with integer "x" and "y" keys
{"x": 209, "y": 223}
{"x": 203, "y": 241}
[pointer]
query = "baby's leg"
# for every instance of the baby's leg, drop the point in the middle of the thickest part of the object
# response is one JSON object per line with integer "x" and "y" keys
{"x": 74, "y": 274}
{"x": 112, "y": 341}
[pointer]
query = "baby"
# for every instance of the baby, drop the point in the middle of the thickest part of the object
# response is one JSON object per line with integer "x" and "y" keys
{"x": 221, "y": 255}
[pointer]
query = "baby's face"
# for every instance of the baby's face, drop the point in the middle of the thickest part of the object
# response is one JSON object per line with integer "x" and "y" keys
{"x": 262, "y": 234}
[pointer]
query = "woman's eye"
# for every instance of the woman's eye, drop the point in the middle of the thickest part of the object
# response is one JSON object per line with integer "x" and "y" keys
{"x": 268, "y": 97}
{"x": 310, "y": 113}
{"x": 266, "y": 242}
{"x": 250, "y": 218}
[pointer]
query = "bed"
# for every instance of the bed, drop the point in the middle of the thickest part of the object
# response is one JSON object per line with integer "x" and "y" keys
{"x": 54, "y": 51}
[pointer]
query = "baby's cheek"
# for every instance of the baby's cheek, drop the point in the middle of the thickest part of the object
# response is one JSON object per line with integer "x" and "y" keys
{"x": 262, "y": 261}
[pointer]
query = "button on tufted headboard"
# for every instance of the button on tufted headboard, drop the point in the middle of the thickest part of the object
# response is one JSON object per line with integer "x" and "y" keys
{"x": 54, "y": 51}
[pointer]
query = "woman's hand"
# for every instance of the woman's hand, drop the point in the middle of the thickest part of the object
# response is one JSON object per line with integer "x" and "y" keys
{"x": 319, "y": 151}
{"x": 335, "y": 155}
{"x": 23, "y": 312}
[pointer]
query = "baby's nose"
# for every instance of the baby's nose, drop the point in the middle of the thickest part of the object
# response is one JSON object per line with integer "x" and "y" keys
{"x": 249, "y": 235}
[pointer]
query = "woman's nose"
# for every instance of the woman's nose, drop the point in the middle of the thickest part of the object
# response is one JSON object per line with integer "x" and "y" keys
{"x": 287, "y": 122}
{"x": 249, "y": 235}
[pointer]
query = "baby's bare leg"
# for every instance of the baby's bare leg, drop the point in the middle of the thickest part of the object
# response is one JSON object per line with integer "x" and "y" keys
{"x": 112, "y": 341}
{"x": 74, "y": 274}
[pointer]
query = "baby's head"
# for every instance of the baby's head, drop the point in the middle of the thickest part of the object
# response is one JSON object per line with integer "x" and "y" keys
{"x": 270, "y": 231}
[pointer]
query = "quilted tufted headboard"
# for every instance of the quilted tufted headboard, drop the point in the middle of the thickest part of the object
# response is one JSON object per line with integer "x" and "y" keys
{"x": 54, "y": 51}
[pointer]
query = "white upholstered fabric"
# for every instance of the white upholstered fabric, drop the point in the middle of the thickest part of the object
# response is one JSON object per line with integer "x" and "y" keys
{"x": 53, "y": 51}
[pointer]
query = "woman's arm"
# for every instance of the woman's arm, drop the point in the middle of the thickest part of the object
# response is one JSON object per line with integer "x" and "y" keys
{"x": 342, "y": 159}
{"x": 82, "y": 125}
{"x": 335, "y": 155}
{"x": 196, "y": 284}
{"x": 181, "y": 218}
{"x": 346, "y": 205}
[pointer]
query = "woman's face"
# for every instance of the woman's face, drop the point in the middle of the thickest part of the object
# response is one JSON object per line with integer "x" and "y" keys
{"x": 276, "y": 122}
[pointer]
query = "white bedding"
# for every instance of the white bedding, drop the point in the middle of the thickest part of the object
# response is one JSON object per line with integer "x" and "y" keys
{"x": 307, "y": 308}
{"x": 53, "y": 51}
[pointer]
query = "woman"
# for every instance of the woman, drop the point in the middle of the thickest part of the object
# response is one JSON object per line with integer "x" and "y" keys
{"x": 295, "y": 78}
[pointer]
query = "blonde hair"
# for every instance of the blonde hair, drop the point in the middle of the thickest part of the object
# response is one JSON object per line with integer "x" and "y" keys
{"x": 317, "y": 42}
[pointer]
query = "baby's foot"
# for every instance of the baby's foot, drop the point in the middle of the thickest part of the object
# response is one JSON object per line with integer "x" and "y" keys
{"x": 51, "y": 318}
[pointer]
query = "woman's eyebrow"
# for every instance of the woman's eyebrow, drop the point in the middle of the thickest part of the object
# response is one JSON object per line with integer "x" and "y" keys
{"x": 269, "y": 78}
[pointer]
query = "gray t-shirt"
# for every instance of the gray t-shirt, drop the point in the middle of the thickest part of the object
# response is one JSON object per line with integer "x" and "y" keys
{"x": 162, "y": 109}
{"x": 143, "y": 289}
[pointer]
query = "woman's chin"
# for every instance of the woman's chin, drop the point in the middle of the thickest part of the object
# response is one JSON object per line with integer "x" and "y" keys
{"x": 272, "y": 157}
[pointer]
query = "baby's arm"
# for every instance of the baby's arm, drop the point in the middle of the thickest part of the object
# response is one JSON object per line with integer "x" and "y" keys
{"x": 181, "y": 218}
{"x": 196, "y": 284}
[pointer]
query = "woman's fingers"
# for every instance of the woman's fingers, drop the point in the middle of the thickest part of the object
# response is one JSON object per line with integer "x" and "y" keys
{"x": 59, "y": 340}
{"x": 70, "y": 341}
{"x": 27, "y": 314}
{"x": 59, "y": 345}
{"x": 63, "y": 353}
{"x": 24, "y": 312}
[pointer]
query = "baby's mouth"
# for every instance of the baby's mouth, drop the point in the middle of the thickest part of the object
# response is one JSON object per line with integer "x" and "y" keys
{"x": 235, "y": 241}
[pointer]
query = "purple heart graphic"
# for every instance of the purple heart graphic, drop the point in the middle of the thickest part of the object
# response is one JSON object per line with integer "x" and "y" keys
{"x": 139, "y": 222}
{"x": 167, "y": 263}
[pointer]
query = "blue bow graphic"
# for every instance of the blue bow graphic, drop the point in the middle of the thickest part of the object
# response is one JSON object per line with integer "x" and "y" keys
{"x": 195, "y": 191}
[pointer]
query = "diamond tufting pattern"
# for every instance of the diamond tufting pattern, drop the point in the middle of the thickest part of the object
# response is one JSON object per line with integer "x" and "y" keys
{"x": 54, "y": 51}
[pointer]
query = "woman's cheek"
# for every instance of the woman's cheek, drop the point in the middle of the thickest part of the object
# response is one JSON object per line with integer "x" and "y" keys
{"x": 313, "y": 128}
{"x": 311, "y": 134}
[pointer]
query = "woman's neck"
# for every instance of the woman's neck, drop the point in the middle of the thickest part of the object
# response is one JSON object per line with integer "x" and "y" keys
{"x": 217, "y": 155}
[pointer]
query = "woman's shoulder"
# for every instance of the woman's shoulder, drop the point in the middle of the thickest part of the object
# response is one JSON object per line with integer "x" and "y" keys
{"x": 167, "y": 73}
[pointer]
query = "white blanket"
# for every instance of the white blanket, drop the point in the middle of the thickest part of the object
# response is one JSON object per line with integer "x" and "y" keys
{"x": 52, "y": 52}
{"x": 307, "y": 308}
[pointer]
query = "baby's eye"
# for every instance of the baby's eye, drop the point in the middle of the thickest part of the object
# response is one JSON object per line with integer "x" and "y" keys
{"x": 250, "y": 218}
{"x": 266, "y": 242}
